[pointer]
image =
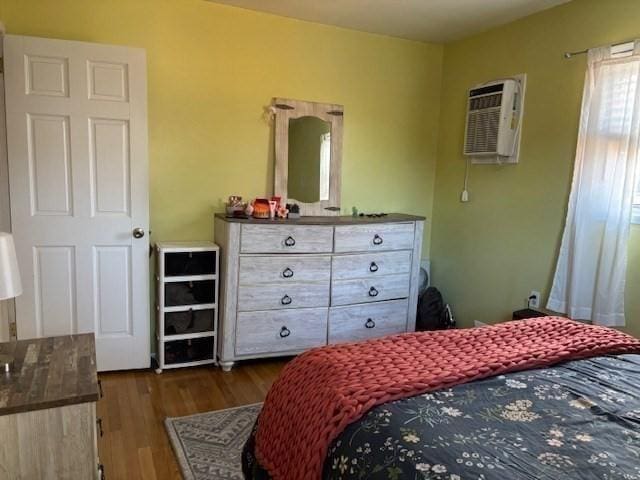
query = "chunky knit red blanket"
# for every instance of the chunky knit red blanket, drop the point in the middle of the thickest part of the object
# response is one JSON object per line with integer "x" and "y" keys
{"x": 323, "y": 390}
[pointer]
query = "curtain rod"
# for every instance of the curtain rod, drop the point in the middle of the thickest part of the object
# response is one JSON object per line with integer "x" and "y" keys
{"x": 582, "y": 52}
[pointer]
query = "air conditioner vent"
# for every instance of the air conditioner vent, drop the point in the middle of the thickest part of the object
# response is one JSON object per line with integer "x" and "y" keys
{"x": 489, "y": 101}
{"x": 482, "y": 131}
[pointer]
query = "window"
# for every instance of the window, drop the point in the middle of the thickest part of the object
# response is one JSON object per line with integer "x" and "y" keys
{"x": 619, "y": 113}
{"x": 325, "y": 165}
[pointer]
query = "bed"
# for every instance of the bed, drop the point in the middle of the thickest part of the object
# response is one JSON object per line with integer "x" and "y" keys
{"x": 573, "y": 418}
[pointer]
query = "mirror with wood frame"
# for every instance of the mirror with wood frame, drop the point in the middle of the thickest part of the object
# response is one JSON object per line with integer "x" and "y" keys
{"x": 308, "y": 143}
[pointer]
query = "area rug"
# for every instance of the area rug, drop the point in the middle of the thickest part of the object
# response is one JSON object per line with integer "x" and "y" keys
{"x": 208, "y": 446}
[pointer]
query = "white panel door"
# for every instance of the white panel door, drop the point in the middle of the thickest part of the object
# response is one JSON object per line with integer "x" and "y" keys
{"x": 77, "y": 148}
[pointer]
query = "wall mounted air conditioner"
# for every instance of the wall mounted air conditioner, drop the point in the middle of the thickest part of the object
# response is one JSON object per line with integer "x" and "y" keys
{"x": 494, "y": 116}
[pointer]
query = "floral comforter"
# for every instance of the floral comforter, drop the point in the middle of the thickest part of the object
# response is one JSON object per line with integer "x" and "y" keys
{"x": 578, "y": 420}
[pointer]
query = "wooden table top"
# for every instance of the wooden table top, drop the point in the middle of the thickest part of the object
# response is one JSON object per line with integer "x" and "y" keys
{"x": 49, "y": 372}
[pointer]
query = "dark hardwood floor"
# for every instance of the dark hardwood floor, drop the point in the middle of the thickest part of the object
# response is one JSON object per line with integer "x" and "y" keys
{"x": 135, "y": 444}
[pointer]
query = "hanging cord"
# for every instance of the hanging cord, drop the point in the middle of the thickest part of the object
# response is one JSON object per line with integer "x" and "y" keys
{"x": 464, "y": 196}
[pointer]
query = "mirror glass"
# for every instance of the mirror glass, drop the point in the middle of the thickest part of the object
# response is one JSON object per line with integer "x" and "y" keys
{"x": 309, "y": 159}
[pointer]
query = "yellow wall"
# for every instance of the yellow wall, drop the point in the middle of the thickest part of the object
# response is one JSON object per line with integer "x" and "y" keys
{"x": 212, "y": 69}
{"x": 490, "y": 253}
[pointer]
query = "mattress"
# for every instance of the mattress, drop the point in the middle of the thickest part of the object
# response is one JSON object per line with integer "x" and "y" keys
{"x": 576, "y": 420}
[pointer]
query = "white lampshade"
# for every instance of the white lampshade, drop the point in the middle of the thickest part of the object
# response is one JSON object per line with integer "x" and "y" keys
{"x": 10, "y": 285}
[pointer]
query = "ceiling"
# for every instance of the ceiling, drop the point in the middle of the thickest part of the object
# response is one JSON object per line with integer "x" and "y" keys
{"x": 423, "y": 20}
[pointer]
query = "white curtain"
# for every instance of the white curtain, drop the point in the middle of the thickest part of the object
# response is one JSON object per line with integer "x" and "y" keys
{"x": 590, "y": 273}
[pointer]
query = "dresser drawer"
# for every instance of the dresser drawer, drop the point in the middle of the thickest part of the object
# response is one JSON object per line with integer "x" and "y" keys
{"x": 189, "y": 321}
{"x": 284, "y": 268}
{"x": 361, "y": 322}
{"x": 283, "y": 296}
{"x": 371, "y": 265}
{"x": 286, "y": 239}
{"x": 280, "y": 330}
{"x": 374, "y": 237}
{"x": 361, "y": 290}
{"x": 189, "y": 293}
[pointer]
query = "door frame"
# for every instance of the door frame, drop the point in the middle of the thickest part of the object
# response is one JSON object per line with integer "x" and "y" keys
{"x": 7, "y": 307}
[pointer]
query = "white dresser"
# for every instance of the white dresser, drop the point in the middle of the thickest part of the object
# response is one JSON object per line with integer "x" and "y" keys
{"x": 290, "y": 285}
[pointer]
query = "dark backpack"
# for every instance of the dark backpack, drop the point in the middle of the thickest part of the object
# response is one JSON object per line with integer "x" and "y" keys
{"x": 433, "y": 313}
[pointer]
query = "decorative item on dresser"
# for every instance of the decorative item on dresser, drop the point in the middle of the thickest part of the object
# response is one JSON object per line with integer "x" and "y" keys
{"x": 289, "y": 285}
{"x": 48, "y": 411}
{"x": 187, "y": 303}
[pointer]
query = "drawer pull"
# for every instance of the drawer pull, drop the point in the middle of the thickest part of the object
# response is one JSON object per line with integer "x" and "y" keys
{"x": 284, "y": 332}
{"x": 289, "y": 242}
{"x": 101, "y": 472}
{"x": 373, "y": 267}
{"x": 377, "y": 239}
{"x": 101, "y": 393}
{"x": 288, "y": 273}
{"x": 369, "y": 323}
{"x": 286, "y": 300}
{"x": 99, "y": 423}
{"x": 373, "y": 292}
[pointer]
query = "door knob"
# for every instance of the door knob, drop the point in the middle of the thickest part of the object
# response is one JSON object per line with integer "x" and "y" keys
{"x": 138, "y": 232}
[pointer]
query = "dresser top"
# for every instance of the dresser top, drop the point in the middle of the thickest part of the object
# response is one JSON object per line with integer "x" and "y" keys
{"x": 49, "y": 372}
{"x": 331, "y": 220}
{"x": 203, "y": 245}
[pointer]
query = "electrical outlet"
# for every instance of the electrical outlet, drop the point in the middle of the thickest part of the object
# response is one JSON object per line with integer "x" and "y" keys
{"x": 534, "y": 299}
{"x": 13, "y": 330}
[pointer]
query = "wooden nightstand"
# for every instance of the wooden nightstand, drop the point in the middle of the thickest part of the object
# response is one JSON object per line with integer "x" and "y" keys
{"x": 533, "y": 313}
{"x": 48, "y": 409}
